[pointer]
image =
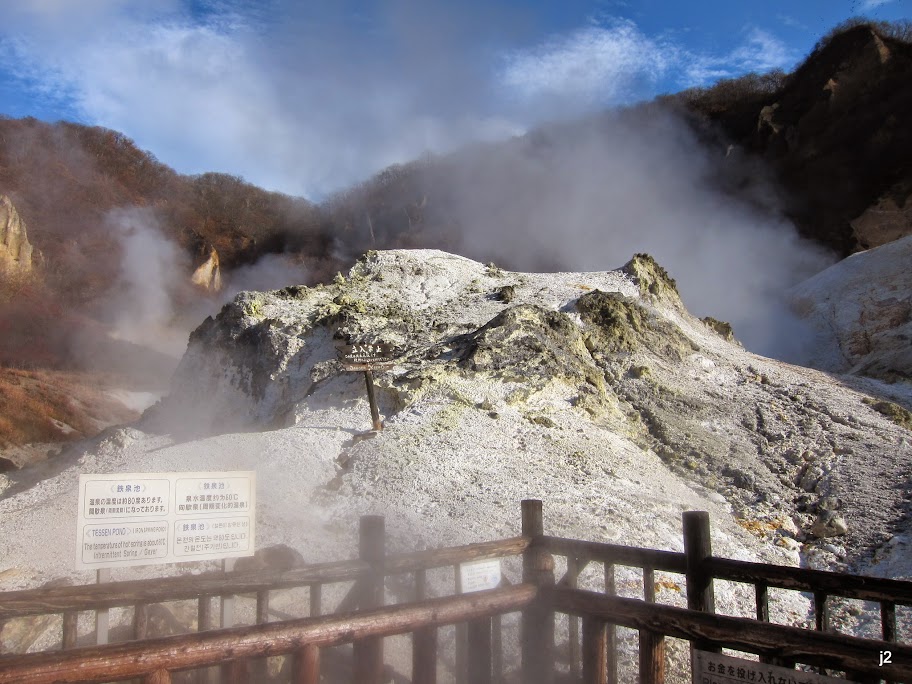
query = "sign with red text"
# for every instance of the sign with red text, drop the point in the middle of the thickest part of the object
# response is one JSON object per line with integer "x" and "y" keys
{"x": 151, "y": 518}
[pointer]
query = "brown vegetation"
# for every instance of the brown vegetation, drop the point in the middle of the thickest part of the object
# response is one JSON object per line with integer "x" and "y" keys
{"x": 55, "y": 406}
{"x": 831, "y": 131}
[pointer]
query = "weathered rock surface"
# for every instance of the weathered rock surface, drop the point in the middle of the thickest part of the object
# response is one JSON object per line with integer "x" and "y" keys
{"x": 834, "y": 136}
{"x": 208, "y": 275}
{"x": 616, "y": 350}
{"x": 15, "y": 248}
{"x": 861, "y": 310}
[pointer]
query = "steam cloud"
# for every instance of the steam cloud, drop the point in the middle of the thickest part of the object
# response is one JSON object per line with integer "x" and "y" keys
{"x": 589, "y": 197}
{"x": 141, "y": 307}
{"x": 307, "y": 100}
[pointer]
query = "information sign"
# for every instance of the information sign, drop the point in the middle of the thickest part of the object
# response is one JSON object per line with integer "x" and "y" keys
{"x": 129, "y": 519}
{"x": 715, "y": 668}
{"x": 368, "y": 356}
{"x": 479, "y": 575}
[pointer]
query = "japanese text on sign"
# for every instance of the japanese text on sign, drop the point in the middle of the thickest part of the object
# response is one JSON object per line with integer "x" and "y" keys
{"x": 715, "y": 668}
{"x": 479, "y": 575}
{"x": 149, "y": 518}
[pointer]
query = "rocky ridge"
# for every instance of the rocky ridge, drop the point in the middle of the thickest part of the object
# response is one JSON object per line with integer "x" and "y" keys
{"x": 861, "y": 312}
{"x": 617, "y": 350}
{"x": 15, "y": 248}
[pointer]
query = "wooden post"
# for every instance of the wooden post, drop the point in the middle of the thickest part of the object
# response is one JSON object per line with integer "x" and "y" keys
{"x": 226, "y": 615}
{"x": 208, "y": 675}
{"x": 761, "y": 602}
{"x": 260, "y": 666}
{"x": 888, "y": 620}
{"x": 316, "y": 600}
{"x": 698, "y": 549}
{"x": 368, "y": 653}
{"x": 595, "y": 651}
{"x": 652, "y": 645}
{"x": 229, "y": 671}
{"x": 158, "y": 677}
{"x": 262, "y": 607}
{"x": 70, "y": 627}
{"x": 537, "y": 618}
{"x": 461, "y": 638}
{"x": 821, "y": 618}
{"x": 372, "y": 400}
{"x": 497, "y": 647}
{"x": 306, "y": 668}
{"x": 573, "y": 571}
{"x": 235, "y": 672}
{"x": 821, "y": 612}
{"x": 102, "y": 616}
{"x": 479, "y": 651}
{"x": 611, "y": 630}
{"x": 204, "y": 613}
{"x": 140, "y": 621}
{"x": 424, "y": 641}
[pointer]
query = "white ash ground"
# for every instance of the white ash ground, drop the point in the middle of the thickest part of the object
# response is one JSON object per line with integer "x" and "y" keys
{"x": 681, "y": 419}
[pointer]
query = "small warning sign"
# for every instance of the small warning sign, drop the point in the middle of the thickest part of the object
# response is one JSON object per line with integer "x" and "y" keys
{"x": 150, "y": 518}
{"x": 479, "y": 575}
{"x": 715, "y": 668}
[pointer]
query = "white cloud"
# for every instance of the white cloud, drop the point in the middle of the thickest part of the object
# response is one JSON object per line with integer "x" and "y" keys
{"x": 873, "y": 4}
{"x": 595, "y": 63}
{"x": 308, "y": 100}
{"x": 760, "y": 52}
{"x": 297, "y": 101}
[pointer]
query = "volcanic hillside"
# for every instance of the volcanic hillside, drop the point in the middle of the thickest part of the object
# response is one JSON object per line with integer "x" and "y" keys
{"x": 826, "y": 145}
{"x": 596, "y": 392}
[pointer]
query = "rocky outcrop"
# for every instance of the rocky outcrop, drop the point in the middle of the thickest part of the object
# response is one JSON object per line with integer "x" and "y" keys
{"x": 208, "y": 275}
{"x": 861, "y": 312}
{"x": 890, "y": 218}
{"x": 15, "y": 248}
{"x": 614, "y": 350}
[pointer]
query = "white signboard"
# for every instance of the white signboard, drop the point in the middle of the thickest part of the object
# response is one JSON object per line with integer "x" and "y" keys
{"x": 150, "y": 518}
{"x": 479, "y": 575}
{"x": 715, "y": 668}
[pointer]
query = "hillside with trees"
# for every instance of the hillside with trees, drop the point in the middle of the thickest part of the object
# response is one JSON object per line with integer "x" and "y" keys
{"x": 831, "y": 139}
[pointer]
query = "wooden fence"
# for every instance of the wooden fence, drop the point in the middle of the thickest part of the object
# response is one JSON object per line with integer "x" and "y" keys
{"x": 362, "y": 618}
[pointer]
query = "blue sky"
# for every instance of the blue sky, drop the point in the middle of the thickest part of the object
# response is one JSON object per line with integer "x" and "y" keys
{"x": 306, "y": 97}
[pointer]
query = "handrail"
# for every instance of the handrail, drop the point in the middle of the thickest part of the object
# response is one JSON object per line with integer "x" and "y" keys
{"x": 93, "y": 596}
{"x": 667, "y": 561}
{"x": 438, "y": 558}
{"x": 113, "y": 594}
{"x": 805, "y": 579}
{"x": 835, "y": 651}
{"x": 136, "y": 659}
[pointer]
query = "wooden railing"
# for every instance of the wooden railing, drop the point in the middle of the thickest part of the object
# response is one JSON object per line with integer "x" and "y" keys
{"x": 362, "y": 618}
{"x": 701, "y": 568}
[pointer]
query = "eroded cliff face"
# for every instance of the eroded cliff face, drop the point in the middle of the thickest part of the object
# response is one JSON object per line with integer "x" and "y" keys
{"x": 612, "y": 353}
{"x": 208, "y": 275}
{"x": 861, "y": 311}
{"x": 836, "y": 138}
{"x": 15, "y": 248}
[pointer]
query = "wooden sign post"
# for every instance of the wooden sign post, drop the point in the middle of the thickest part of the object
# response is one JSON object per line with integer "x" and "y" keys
{"x": 367, "y": 358}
